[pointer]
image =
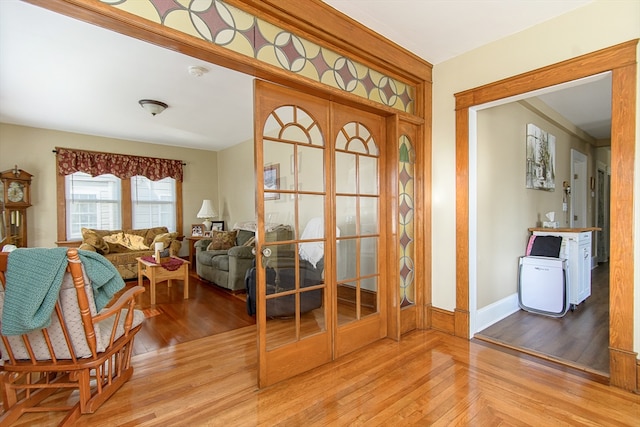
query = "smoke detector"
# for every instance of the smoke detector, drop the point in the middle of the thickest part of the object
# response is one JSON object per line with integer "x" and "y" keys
{"x": 197, "y": 71}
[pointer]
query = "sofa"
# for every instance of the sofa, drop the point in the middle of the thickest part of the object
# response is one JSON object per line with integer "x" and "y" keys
{"x": 122, "y": 247}
{"x": 224, "y": 258}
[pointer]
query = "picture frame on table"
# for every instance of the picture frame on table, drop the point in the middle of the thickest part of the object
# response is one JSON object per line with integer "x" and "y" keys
{"x": 208, "y": 234}
{"x": 197, "y": 230}
{"x": 217, "y": 225}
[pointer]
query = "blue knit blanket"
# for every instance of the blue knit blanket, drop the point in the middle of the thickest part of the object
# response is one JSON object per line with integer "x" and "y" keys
{"x": 34, "y": 277}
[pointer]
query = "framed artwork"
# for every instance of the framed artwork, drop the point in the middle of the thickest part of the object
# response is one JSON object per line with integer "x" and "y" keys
{"x": 208, "y": 234}
{"x": 217, "y": 225}
{"x": 541, "y": 159}
{"x": 197, "y": 230}
{"x": 272, "y": 181}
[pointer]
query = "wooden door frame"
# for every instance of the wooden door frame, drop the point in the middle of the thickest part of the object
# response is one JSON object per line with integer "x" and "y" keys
{"x": 620, "y": 60}
{"x": 324, "y": 25}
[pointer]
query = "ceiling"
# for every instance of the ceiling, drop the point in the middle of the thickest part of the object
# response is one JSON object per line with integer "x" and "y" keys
{"x": 68, "y": 75}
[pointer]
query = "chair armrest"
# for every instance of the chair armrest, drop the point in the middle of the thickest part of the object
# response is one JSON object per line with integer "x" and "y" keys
{"x": 241, "y": 252}
{"x": 202, "y": 244}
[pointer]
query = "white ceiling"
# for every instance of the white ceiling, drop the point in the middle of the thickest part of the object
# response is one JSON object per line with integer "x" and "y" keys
{"x": 60, "y": 73}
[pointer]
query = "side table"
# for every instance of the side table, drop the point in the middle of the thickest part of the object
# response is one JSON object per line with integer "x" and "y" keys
{"x": 156, "y": 273}
{"x": 192, "y": 250}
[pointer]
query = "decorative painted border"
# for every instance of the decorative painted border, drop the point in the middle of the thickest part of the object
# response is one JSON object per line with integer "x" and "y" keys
{"x": 236, "y": 30}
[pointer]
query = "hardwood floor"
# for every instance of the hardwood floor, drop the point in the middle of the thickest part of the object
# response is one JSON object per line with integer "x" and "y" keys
{"x": 429, "y": 378}
{"x": 579, "y": 339}
{"x": 209, "y": 310}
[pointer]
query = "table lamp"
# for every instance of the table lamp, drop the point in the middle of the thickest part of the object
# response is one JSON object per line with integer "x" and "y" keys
{"x": 208, "y": 213}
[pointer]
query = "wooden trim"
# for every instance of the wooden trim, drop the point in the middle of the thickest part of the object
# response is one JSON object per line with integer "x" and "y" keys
{"x": 442, "y": 320}
{"x": 621, "y": 60}
{"x": 572, "y": 69}
{"x": 462, "y": 214}
{"x": 389, "y": 187}
{"x": 325, "y": 25}
{"x": 637, "y": 375}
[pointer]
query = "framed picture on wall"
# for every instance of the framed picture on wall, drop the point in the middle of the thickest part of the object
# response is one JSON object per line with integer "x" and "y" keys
{"x": 272, "y": 181}
{"x": 197, "y": 230}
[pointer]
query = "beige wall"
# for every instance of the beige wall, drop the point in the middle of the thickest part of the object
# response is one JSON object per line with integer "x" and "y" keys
{"x": 31, "y": 149}
{"x": 236, "y": 184}
{"x": 506, "y": 209}
{"x": 595, "y": 26}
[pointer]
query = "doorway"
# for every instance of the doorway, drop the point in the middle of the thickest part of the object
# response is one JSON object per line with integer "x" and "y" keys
{"x": 621, "y": 61}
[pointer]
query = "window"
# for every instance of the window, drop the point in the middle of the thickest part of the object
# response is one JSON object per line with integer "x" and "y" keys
{"x": 153, "y": 202}
{"x": 108, "y": 191}
{"x": 96, "y": 202}
{"x": 92, "y": 202}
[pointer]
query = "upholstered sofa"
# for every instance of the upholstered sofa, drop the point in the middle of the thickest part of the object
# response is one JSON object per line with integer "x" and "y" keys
{"x": 225, "y": 264}
{"x": 122, "y": 247}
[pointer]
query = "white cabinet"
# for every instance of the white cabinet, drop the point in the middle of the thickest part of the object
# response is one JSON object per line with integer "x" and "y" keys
{"x": 576, "y": 249}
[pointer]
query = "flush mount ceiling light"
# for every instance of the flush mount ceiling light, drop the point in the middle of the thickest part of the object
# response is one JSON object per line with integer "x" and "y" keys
{"x": 154, "y": 107}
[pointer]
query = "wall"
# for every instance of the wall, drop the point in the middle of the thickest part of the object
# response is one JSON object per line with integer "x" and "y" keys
{"x": 506, "y": 208}
{"x": 236, "y": 184}
{"x": 595, "y": 26}
{"x": 31, "y": 149}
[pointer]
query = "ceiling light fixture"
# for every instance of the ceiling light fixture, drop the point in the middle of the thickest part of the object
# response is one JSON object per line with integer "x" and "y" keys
{"x": 154, "y": 107}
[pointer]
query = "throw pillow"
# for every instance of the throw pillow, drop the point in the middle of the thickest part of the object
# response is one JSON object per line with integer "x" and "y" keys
{"x": 222, "y": 240}
{"x": 92, "y": 238}
{"x": 129, "y": 241}
{"x": 165, "y": 239}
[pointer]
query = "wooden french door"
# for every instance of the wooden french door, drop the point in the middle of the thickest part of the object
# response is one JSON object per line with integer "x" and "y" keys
{"x": 319, "y": 288}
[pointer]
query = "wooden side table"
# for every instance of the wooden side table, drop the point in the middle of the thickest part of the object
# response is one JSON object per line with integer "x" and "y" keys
{"x": 192, "y": 250}
{"x": 156, "y": 273}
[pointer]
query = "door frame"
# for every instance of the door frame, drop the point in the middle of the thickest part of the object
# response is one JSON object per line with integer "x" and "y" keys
{"x": 621, "y": 61}
{"x": 372, "y": 50}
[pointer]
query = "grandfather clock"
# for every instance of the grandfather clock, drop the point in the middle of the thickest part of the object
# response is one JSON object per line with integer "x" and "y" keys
{"x": 16, "y": 198}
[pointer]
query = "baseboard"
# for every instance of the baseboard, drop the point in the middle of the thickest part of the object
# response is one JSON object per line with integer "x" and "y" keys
{"x": 492, "y": 313}
{"x": 442, "y": 320}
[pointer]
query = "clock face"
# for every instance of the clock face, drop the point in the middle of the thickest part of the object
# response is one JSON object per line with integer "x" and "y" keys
{"x": 15, "y": 192}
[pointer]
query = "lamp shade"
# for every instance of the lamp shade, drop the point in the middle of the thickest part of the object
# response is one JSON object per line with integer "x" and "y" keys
{"x": 207, "y": 211}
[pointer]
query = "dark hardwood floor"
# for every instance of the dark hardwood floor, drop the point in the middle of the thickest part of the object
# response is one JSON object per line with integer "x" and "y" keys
{"x": 579, "y": 339}
{"x": 210, "y": 310}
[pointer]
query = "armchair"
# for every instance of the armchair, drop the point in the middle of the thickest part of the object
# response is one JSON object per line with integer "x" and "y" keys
{"x": 81, "y": 347}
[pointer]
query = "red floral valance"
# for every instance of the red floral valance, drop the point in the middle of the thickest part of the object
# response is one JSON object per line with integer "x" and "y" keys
{"x": 121, "y": 165}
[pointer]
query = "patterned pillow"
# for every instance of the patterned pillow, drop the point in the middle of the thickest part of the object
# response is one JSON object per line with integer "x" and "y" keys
{"x": 129, "y": 241}
{"x": 165, "y": 239}
{"x": 90, "y": 237}
{"x": 222, "y": 240}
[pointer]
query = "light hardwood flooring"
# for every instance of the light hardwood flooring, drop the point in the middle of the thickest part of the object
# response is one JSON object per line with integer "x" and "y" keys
{"x": 579, "y": 339}
{"x": 429, "y": 378}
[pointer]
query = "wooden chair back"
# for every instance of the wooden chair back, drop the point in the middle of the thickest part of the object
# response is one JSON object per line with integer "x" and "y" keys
{"x": 81, "y": 349}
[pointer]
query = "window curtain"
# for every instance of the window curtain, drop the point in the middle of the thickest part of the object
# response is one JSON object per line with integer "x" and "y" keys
{"x": 121, "y": 165}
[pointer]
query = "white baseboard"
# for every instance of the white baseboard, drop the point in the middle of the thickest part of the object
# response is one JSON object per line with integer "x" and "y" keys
{"x": 487, "y": 316}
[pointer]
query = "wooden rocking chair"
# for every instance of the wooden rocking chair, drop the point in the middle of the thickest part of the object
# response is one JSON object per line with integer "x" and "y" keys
{"x": 81, "y": 350}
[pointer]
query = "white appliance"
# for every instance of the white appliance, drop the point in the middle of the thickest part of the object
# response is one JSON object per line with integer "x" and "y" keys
{"x": 576, "y": 249}
{"x": 543, "y": 285}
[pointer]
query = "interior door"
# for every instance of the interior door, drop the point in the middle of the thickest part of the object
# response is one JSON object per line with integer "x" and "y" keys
{"x": 293, "y": 298}
{"x": 319, "y": 256}
{"x": 360, "y": 289}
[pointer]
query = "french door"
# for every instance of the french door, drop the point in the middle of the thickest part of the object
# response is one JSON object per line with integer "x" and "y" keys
{"x": 320, "y": 292}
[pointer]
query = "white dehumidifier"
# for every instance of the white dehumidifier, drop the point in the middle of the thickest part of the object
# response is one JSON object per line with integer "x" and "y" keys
{"x": 543, "y": 285}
